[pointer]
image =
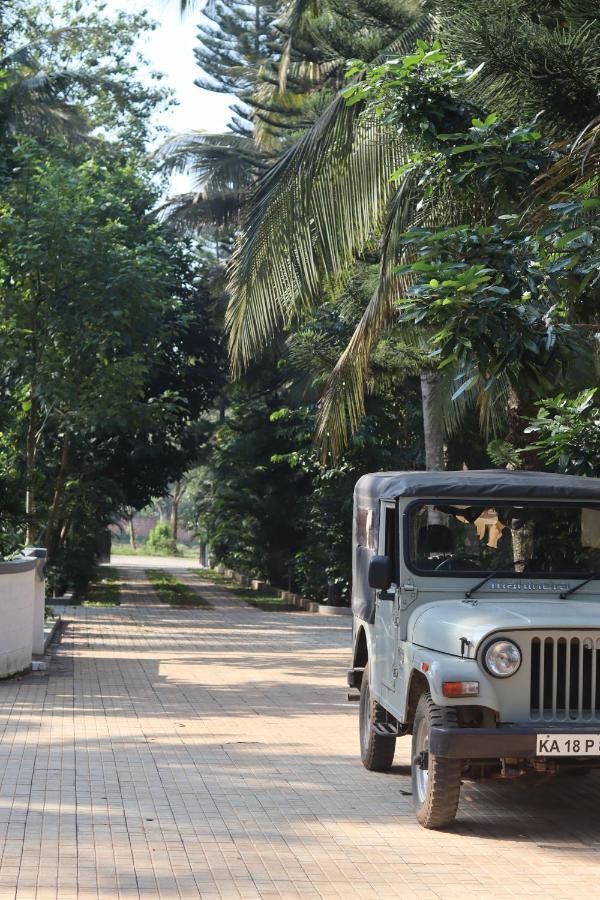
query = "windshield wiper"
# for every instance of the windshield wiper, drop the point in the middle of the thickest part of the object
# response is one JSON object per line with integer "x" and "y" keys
{"x": 581, "y": 584}
{"x": 471, "y": 591}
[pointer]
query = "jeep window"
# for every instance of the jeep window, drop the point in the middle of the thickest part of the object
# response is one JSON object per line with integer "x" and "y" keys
{"x": 391, "y": 540}
{"x": 536, "y": 539}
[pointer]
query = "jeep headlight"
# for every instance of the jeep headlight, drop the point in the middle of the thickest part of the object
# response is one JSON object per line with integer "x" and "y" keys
{"x": 502, "y": 658}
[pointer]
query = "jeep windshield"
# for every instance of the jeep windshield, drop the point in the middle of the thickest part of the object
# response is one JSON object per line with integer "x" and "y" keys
{"x": 530, "y": 539}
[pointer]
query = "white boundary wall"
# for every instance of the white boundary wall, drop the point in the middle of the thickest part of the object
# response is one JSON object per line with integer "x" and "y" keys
{"x": 22, "y": 601}
{"x": 38, "y": 554}
{"x": 39, "y": 608}
{"x": 17, "y": 597}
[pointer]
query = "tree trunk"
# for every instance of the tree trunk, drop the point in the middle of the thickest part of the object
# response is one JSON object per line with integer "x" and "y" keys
{"x": 30, "y": 458}
{"x": 433, "y": 427}
{"x": 64, "y": 531}
{"x": 52, "y": 532}
{"x": 132, "y": 533}
{"x": 177, "y": 492}
{"x": 174, "y": 518}
{"x": 514, "y": 417}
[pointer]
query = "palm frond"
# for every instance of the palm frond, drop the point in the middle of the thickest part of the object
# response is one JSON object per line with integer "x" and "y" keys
{"x": 191, "y": 212}
{"x": 343, "y": 402}
{"x": 309, "y": 215}
{"x": 34, "y": 104}
{"x": 21, "y": 56}
{"x": 24, "y": 54}
{"x": 42, "y": 103}
{"x": 577, "y": 167}
{"x": 424, "y": 28}
{"x": 490, "y": 400}
{"x": 216, "y": 162}
{"x": 291, "y": 20}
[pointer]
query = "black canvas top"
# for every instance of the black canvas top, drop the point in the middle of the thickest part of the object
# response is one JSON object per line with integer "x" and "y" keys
{"x": 472, "y": 484}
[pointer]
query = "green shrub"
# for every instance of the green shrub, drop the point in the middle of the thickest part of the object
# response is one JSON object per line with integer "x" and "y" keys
{"x": 161, "y": 542}
{"x": 74, "y": 566}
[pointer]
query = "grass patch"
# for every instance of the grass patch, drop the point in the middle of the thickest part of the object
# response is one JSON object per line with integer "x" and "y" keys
{"x": 268, "y": 600}
{"x": 106, "y": 591}
{"x": 214, "y": 577}
{"x": 142, "y": 550}
{"x": 172, "y": 591}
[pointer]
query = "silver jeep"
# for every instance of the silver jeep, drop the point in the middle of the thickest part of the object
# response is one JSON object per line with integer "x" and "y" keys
{"x": 476, "y": 606}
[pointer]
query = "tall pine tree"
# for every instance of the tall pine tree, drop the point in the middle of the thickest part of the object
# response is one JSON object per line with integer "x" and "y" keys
{"x": 235, "y": 46}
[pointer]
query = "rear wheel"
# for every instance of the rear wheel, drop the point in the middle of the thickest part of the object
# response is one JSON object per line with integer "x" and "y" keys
{"x": 435, "y": 779}
{"x": 376, "y": 750}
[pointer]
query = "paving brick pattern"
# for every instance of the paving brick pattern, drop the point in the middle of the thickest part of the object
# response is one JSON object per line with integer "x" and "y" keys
{"x": 211, "y": 753}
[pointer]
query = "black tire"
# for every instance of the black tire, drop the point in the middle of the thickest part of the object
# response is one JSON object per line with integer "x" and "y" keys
{"x": 376, "y": 750}
{"x": 436, "y": 793}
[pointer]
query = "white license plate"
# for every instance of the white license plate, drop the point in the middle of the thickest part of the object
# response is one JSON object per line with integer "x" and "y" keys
{"x": 568, "y": 745}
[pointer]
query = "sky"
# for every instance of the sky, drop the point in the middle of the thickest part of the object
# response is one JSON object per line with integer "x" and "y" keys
{"x": 169, "y": 49}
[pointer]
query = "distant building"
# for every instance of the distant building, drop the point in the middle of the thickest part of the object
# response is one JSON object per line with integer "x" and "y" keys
{"x": 143, "y": 525}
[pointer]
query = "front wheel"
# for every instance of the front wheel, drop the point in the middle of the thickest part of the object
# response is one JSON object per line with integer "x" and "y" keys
{"x": 435, "y": 779}
{"x": 376, "y": 750}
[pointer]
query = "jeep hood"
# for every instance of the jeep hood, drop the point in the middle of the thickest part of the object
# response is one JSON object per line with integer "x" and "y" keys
{"x": 442, "y": 625}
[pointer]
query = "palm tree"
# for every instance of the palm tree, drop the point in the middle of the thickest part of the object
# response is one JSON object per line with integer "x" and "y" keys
{"x": 234, "y": 57}
{"x": 32, "y": 100}
{"x": 330, "y": 192}
{"x": 42, "y": 96}
{"x": 307, "y": 187}
{"x": 311, "y": 213}
{"x": 222, "y": 167}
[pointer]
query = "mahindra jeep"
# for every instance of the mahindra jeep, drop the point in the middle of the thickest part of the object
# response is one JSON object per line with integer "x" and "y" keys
{"x": 476, "y": 627}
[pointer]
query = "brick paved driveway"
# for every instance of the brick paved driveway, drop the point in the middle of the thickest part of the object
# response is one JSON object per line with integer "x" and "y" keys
{"x": 186, "y": 753}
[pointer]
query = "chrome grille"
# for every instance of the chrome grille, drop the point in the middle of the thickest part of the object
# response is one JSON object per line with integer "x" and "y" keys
{"x": 565, "y": 678}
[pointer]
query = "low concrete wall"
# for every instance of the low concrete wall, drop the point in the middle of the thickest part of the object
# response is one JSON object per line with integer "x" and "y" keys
{"x": 326, "y": 610}
{"x": 295, "y": 600}
{"x": 17, "y": 601}
{"x": 39, "y": 554}
{"x": 22, "y": 608}
{"x": 39, "y": 609}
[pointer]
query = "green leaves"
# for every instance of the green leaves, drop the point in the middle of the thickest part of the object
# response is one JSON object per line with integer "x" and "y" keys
{"x": 508, "y": 317}
{"x": 106, "y": 339}
{"x": 504, "y": 455}
{"x": 493, "y": 282}
{"x": 418, "y": 92}
{"x": 568, "y": 433}
{"x": 581, "y": 236}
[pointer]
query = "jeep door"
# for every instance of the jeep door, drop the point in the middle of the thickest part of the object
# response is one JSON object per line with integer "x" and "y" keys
{"x": 386, "y": 608}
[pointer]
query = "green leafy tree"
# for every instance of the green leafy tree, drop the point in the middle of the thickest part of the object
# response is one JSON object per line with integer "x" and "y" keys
{"x": 109, "y": 350}
{"x": 234, "y": 46}
{"x": 266, "y": 504}
{"x": 324, "y": 200}
{"x": 65, "y": 71}
{"x": 567, "y": 433}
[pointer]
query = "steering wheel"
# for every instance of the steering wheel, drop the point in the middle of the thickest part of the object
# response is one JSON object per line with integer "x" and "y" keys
{"x": 459, "y": 558}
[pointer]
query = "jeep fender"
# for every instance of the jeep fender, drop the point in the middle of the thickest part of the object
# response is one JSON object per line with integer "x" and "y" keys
{"x": 439, "y": 667}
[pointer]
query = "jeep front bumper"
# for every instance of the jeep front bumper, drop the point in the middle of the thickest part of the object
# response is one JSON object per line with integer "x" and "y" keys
{"x": 514, "y": 741}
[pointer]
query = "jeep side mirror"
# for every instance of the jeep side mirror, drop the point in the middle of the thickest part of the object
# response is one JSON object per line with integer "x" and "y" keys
{"x": 380, "y": 572}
